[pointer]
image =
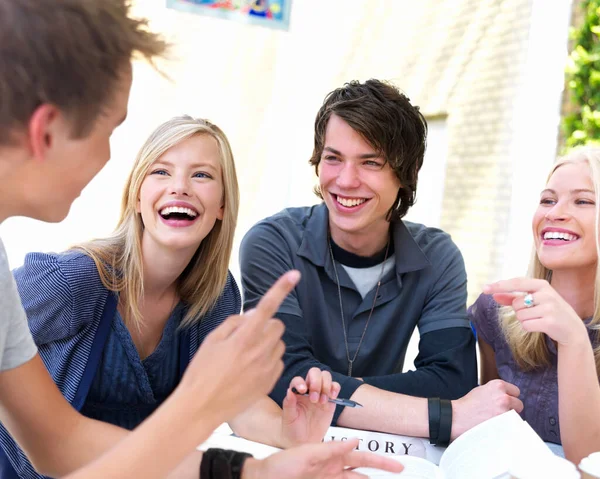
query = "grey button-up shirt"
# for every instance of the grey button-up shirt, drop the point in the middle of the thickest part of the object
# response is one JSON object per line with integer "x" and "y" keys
{"x": 426, "y": 289}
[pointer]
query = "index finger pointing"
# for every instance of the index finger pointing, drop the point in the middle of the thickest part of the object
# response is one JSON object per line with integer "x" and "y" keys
{"x": 270, "y": 302}
{"x": 529, "y": 285}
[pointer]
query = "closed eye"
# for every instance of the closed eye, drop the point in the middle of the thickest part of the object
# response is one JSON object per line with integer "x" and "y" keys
{"x": 331, "y": 158}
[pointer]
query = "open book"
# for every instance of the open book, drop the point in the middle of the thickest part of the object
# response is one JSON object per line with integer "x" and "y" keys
{"x": 486, "y": 451}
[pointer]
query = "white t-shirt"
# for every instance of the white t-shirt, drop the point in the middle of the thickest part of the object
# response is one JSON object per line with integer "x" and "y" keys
{"x": 16, "y": 344}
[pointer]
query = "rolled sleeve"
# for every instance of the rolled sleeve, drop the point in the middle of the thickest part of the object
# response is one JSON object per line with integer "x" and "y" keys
{"x": 445, "y": 306}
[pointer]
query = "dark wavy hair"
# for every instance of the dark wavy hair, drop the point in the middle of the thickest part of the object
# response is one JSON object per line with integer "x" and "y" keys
{"x": 386, "y": 119}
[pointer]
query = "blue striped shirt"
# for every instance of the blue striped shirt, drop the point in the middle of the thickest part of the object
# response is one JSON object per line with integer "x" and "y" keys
{"x": 64, "y": 299}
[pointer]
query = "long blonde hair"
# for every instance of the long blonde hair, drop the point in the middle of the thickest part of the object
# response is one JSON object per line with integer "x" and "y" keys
{"x": 119, "y": 256}
{"x": 529, "y": 349}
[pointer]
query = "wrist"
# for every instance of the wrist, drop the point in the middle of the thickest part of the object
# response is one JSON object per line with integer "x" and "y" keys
{"x": 253, "y": 469}
{"x": 440, "y": 421}
{"x": 281, "y": 440}
{"x": 198, "y": 408}
{"x": 456, "y": 418}
{"x": 580, "y": 345}
{"x": 579, "y": 340}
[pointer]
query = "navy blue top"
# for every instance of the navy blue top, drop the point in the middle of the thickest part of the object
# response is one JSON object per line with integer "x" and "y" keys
{"x": 127, "y": 389}
{"x": 426, "y": 289}
{"x": 65, "y": 299}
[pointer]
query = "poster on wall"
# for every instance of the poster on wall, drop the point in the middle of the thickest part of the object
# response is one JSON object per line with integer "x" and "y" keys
{"x": 269, "y": 13}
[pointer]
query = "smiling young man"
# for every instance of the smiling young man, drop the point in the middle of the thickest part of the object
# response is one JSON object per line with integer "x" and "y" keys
{"x": 369, "y": 278}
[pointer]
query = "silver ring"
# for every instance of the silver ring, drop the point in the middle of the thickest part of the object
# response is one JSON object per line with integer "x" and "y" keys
{"x": 528, "y": 300}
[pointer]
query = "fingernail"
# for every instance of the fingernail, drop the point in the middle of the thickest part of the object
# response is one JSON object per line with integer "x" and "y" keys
{"x": 314, "y": 396}
{"x": 294, "y": 276}
{"x": 323, "y": 398}
{"x": 334, "y": 394}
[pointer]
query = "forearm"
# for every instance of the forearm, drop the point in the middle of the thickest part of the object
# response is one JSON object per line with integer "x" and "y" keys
{"x": 158, "y": 445}
{"x": 190, "y": 468}
{"x": 577, "y": 386}
{"x": 261, "y": 423}
{"x": 55, "y": 438}
{"x": 85, "y": 441}
{"x": 446, "y": 367}
{"x": 385, "y": 411}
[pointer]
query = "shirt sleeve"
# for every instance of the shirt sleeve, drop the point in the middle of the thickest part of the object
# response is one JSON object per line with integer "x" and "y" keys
{"x": 46, "y": 289}
{"x": 264, "y": 257}
{"x": 16, "y": 344}
{"x": 483, "y": 314}
{"x": 446, "y": 367}
{"x": 445, "y": 305}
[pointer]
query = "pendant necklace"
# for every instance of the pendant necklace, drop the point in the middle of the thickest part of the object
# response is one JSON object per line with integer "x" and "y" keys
{"x": 337, "y": 281}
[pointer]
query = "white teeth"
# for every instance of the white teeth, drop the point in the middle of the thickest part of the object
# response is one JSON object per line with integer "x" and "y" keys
{"x": 557, "y": 235}
{"x": 178, "y": 209}
{"x": 348, "y": 202}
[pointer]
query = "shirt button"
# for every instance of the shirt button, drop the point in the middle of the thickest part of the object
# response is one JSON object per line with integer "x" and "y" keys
{"x": 552, "y": 421}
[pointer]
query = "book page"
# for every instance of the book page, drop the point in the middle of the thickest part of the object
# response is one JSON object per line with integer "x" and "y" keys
{"x": 387, "y": 444}
{"x": 414, "y": 468}
{"x": 490, "y": 448}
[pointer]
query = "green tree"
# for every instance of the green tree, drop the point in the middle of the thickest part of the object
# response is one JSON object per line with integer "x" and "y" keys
{"x": 582, "y": 124}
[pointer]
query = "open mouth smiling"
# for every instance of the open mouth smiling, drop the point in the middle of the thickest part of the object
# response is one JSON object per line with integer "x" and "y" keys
{"x": 178, "y": 213}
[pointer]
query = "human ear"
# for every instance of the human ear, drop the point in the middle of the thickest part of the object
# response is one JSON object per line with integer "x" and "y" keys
{"x": 43, "y": 129}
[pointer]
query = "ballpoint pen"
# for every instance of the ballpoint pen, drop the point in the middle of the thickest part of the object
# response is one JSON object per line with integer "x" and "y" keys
{"x": 338, "y": 401}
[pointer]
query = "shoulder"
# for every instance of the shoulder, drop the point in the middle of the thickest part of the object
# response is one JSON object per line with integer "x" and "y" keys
{"x": 484, "y": 304}
{"x": 72, "y": 269}
{"x": 483, "y": 313}
{"x": 70, "y": 262}
{"x": 438, "y": 248}
{"x": 230, "y": 301}
{"x": 288, "y": 225}
{"x": 61, "y": 293}
{"x": 434, "y": 242}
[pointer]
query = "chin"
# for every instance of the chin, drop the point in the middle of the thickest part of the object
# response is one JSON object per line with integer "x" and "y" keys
{"x": 51, "y": 215}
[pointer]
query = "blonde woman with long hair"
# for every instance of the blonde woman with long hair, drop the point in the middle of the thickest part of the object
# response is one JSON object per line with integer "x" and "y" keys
{"x": 541, "y": 332}
{"x": 118, "y": 319}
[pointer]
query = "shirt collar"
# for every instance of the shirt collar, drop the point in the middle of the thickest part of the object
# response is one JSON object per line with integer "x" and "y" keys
{"x": 313, "y": 247}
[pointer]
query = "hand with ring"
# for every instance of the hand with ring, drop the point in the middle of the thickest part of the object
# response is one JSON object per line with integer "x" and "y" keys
{"x": 541, "y": 309}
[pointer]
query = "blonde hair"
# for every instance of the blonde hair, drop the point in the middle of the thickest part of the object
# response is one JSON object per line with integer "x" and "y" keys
{"x": 529, "y": 348}
{"x": 119, "y": 256}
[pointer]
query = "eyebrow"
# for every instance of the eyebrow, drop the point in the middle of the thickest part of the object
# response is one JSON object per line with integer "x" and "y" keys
{"x": 575, "y": 191}
{"x": 364, "y": 156}
{"x": 193, "y": 166}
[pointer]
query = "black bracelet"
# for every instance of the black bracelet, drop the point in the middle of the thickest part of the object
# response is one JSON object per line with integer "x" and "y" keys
{"x": 445, "y": 430}
{"x": 435, "y": 412}
{"x": 222, "y": 464}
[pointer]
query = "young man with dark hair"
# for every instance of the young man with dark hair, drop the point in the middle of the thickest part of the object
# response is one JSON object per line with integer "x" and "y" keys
{"x": 369, "y": 278}
{"x": 65, "y": 76}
